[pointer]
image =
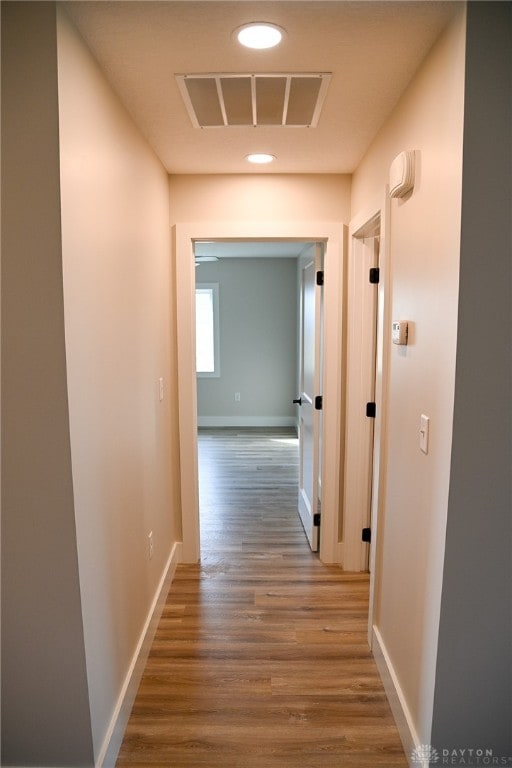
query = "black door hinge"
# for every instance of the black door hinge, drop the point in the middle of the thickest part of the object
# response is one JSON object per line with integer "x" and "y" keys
{"x": 319, "y": 403}
{"x": 371, "y": 410}
{"x": 374, "y": 275}
{"x": 320, "y": 277}
{"x": 366, "y": 535}
{"x": 316, "y": 518}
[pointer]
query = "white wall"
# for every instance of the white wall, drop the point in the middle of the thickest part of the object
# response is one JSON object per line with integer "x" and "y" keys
{"x": 258, "y": 320}
{"x": 116, "y": 256}
{"x": 269, "y": 197}
{"x": 424, "y": 236}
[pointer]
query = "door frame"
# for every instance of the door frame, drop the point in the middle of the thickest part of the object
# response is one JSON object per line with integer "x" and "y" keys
{"x": 362, "y": 316}
{"x": 334, "y": 237}
{"x": 380, "y": 208}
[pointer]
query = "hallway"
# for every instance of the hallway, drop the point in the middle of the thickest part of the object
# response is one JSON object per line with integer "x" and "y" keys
{"x": 260, "y": 659}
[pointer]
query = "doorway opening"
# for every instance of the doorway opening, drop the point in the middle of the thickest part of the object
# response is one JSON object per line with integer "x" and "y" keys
{"x": 333, "y": 235}
{"x": 258, "y": 342}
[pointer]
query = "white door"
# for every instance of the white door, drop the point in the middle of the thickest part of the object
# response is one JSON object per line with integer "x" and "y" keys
{"x": 360, "y": 399}
{"x": 310, "y": 389}
{"x": 369, "y": 342}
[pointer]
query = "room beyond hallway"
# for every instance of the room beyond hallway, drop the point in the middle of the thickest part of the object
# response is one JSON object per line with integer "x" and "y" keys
{"x": 260, "y": 659}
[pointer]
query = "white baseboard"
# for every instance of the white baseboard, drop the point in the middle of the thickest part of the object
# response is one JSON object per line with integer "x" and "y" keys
{"x": 246, "y": 421}
{"x": 396, "y": 698}
{"x": 113, "y": 740}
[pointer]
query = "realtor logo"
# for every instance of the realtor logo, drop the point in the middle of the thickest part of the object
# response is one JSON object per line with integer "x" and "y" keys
{"x": 424, "y": 754}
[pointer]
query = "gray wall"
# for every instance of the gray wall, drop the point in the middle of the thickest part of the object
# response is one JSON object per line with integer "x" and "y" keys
{"x": 88, "y": 468}
{"x": 45, "y": 711}
{"x": 258, "y": 343}
{"x": 472, "y": 705}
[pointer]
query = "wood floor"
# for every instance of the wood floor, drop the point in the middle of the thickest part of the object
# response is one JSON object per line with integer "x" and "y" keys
{"x": 260, "y": 659}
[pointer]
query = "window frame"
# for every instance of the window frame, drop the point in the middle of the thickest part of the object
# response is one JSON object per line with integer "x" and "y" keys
{"x": 214, "y": 289}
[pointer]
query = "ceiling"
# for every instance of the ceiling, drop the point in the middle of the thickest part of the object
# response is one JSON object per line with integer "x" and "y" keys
{"x": 372, "y": 50}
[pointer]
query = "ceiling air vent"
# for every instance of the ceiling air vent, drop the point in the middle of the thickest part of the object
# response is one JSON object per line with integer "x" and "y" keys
{"x": 227, "y": 100}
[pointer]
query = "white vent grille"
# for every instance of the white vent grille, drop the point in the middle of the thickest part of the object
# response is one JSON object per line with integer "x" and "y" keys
{"x": 224, "y": 100}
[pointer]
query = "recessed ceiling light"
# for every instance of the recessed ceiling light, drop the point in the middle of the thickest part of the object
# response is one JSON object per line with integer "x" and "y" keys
{"x": 259, "y": 34}
{"x": 260, "y": 158}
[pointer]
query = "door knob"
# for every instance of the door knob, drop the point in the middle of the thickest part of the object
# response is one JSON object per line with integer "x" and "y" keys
{"x": 298, "y": 401}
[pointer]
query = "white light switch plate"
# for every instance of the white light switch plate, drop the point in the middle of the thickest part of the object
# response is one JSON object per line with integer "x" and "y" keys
{"x": 424, "y": 429}
{"x": 400, "y": 332}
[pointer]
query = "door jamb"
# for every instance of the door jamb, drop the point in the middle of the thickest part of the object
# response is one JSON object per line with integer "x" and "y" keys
{"x": 334, "y": 235}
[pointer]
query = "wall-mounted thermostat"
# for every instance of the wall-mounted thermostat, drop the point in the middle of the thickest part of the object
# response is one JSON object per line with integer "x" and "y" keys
{"x": 401, "y": 174}
{"x": 400, "y": 330}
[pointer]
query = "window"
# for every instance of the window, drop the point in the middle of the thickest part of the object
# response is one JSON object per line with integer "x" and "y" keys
{"x": 207, "y": 329}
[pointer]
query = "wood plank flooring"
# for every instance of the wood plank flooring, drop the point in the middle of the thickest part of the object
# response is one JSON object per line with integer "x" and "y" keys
{"x": 260, "y": 659}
